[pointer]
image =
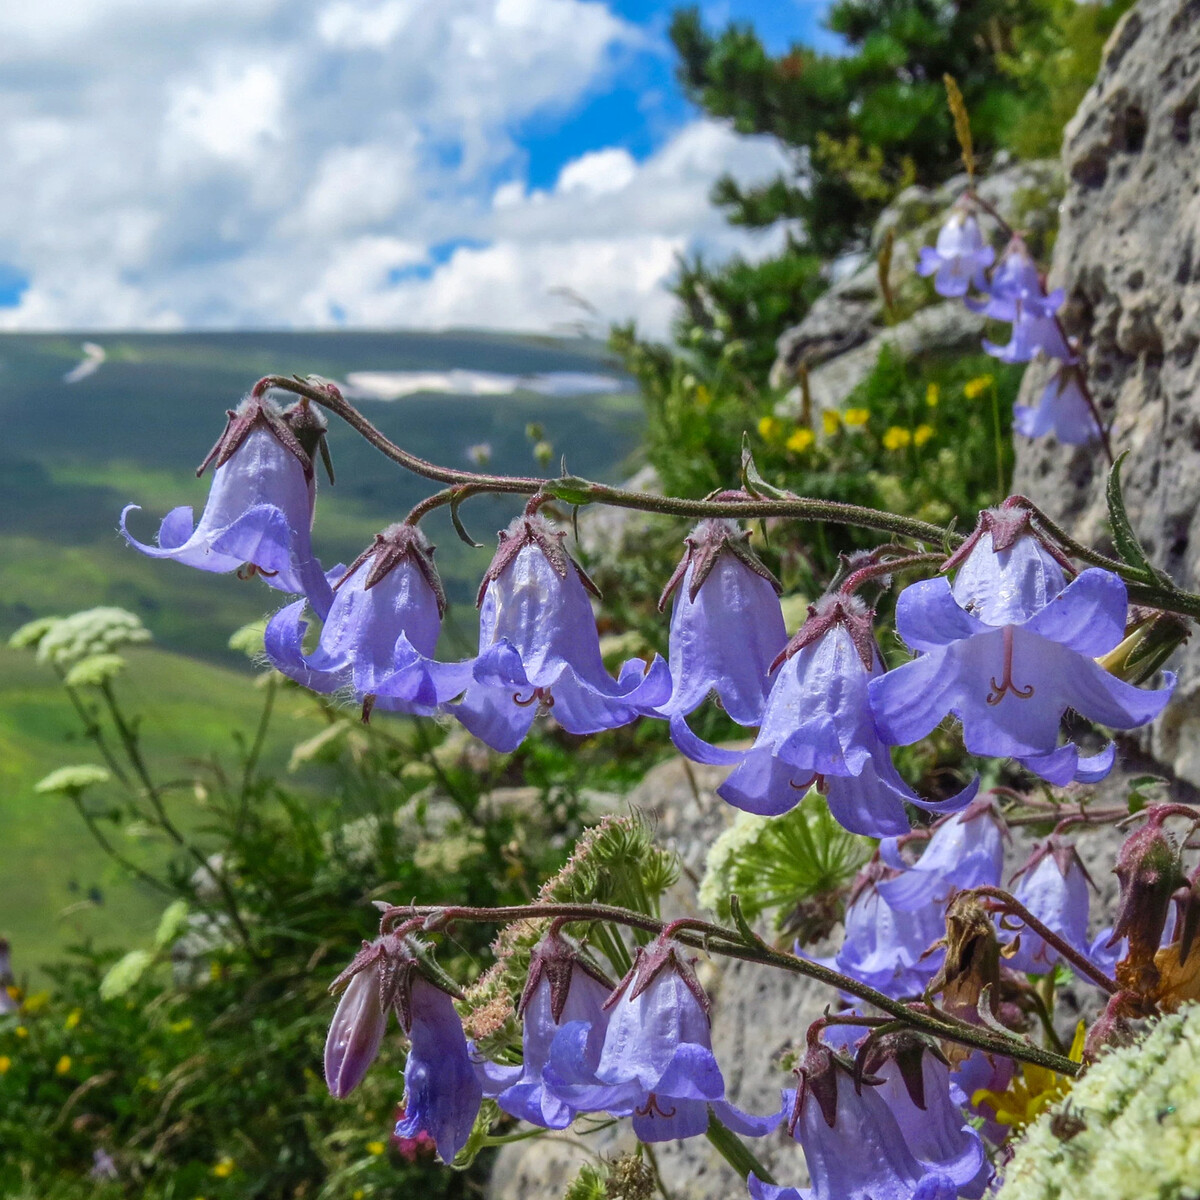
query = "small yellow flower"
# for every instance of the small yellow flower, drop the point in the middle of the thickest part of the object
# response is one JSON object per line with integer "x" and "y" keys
{"x": 922, "y": 434}
{"x": 932, "y": 395}
{"x": 769, "y": 428}
{"x": 224, "y": 1167}
{"x": 375, "y": 1147}
{"x": 800, "y": 440}
{"x": 831, "y": 421}
{"x": 974, "y": 388}
{"x": 703, "y": 396}
{"x": 73, "y": 1018}
{"x": 63, "y": 1065}
{"x": 5, "y": 1063}
{"x": 897, "y": 438}
{"x": 855, "y": 418}
{"x": 14, "y": 993}
{"x": 1026, "y": 1098}
{"x": 358, "y": 1194}
{"x": 21, "y": 1031}
{"x": 181, "y": 1026}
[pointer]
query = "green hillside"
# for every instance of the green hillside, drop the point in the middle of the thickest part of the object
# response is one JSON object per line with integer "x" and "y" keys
{"x": 73, "y": 455}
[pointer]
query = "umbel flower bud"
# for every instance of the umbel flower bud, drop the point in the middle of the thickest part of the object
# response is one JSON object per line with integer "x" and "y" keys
{"x": 1150, "y": 869}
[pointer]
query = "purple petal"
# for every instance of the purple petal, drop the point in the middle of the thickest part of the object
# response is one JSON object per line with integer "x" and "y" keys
{"x": 928, "y": 616}
{"x": 1088, "y": 615}
{"x": 764, "y": 784}
{"x": 700, "y": 751}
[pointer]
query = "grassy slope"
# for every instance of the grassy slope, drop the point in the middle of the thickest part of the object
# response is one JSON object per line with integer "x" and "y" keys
{"x": 72, "y": 457}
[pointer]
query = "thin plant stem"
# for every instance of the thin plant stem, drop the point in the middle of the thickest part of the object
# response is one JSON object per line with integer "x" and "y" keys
{"x": 102, "y": 841}
{"x": 716, "y": 939}
{"x": 1001, "y": 488}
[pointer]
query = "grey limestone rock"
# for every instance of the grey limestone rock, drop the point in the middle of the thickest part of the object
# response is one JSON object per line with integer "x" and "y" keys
{"x": 1128, "y": 255}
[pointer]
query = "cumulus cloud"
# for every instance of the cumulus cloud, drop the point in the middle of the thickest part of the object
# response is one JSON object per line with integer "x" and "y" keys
{"x": 322, "y": 162}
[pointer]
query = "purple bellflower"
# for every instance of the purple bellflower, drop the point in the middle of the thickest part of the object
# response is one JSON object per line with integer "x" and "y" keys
{"x": 853, "y": 1145}
{"x": 442, "y": 1093}
{"x": 981, "y": 1071}
{"x": 889, "y": 948}
{"x": 1016, "y": 295}
{"x": 561, "y": 989}
{"x": 656, "y": 1062}
{"x": 379, "y": 637}
{"x": 965, "y": 850}
{"x": 961, "y": 256}
{"x": 914, "y": 1082}
{"x": 1063, "y": 410}
{"x": 817, "y": 730}
{"x": 539, "y": 648}
{"x": 1053, "y": 885}
{"x": 258, "y": 519}
{"x": 1008, "y": 649}
{"x": 726, "y": 630}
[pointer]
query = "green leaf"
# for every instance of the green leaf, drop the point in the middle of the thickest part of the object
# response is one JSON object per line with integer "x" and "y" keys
{"x": 71, "y": 781}
{"x": 1125, "y": 540}
{"x": 122, "y": 975}
{"x": 753, "y": 483}
{"x": 570, "y": 489}
{"x": 170, "y": 924}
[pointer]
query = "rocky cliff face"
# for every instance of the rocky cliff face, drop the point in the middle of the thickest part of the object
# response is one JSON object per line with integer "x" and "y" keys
{"x": 1128, "y": 254}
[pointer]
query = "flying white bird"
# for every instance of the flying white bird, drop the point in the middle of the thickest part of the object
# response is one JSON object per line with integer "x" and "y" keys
{"x": 93, "y": 356}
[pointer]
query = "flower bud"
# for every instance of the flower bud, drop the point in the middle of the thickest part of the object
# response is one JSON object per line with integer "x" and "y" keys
{"x": 1147, "y": 645}
{"x": 1149, "y": 869}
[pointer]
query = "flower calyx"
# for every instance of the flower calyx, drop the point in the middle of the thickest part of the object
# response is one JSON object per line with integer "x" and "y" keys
{"x": 704, "y": 546}
{"x": 816, "y": 1076}
{"x": 395, "y": 961}
{"x": 389, "y": 549}
{"x": 1064, "y": 854}
{"x": 1006, "y": 526}
{"x": 311, "y": 430}
{"x": 907, "y": 1049}
{"x": 531, "y": 529}
{"x": 832, "y": 610}
{"x": 664, "y": 953}
{"x": 255, "y": 412}
{"x": 555, "y": 959}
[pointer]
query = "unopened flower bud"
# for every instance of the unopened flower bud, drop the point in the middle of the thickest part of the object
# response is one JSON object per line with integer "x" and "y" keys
{"x": 1147, "y": 645}
{"x": 1149, "y": 869}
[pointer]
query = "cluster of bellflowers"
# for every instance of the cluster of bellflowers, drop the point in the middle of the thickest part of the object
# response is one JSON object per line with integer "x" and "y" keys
{"x": 1011, "y": 289}
{"x": 1005, "y": 639}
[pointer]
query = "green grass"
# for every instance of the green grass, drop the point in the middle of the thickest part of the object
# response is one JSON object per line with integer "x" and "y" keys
{"x": 50, "y": 861}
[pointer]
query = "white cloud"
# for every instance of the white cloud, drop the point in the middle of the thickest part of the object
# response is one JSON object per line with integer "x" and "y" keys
{"x": 299, "y": 162}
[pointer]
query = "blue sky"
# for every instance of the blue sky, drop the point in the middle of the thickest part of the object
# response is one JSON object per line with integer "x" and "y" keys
{"x": 253, "y": 163}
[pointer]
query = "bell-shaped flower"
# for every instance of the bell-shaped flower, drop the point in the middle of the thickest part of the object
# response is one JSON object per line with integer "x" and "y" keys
{"x": 1063, "y": 410}
{"x": 1016, "y": 287}
{"x": 853, "y": 1145}
{"x": 1053, "y": 885}
{"x": 913, "y": 1080}
{"x": 656, "y": 1062}
{"x": 539, "y": 648}
{"x": 379, "y": 637}
{"x": 258, "y": 519}
{"x": 961, "y": 256}
{"x": 1033, "y": 334}
{"x": 890, "y": 949}
{"x": 977, "y": 1075}
{"x": 561, "y": 990}
{"x": 442, "y": 1094}
{"x": 726, "y": 630}
{"x": 817, "y": 730}
{"x": 1008, "y": 649}
{"x": 965, "y": 850}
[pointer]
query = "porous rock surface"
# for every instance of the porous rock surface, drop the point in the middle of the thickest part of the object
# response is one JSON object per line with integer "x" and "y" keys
{"x": 1128, "y": 255}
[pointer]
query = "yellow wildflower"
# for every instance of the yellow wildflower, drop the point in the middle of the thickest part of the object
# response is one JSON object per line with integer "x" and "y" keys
{"x": 1027, "y": 1097}
{"x": 897, "y": 438}
{"x": 14, "y": 993}
{"x": 21, "y": 1031}
{"x": 922, "y": 434}
{"x": 375, "y": 1147}
{"x": 703, "y": 396}
{"x": 35, "y": 1002}
{"x": 856, "y": 417}
{"x": 224, "y": 1167}
{"x": 974, "y": 388}
{"x": 769, "y": 428}
{"x": 63, "y": 1065}
{"x": 73, "y": 1018}
{"x": 800, "y": 440}
{"x": 181, "y": 1026}
{"x": 932, "y": 395}
{"x": 831, "y": 421}
{"x": 5, "y": 1063}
